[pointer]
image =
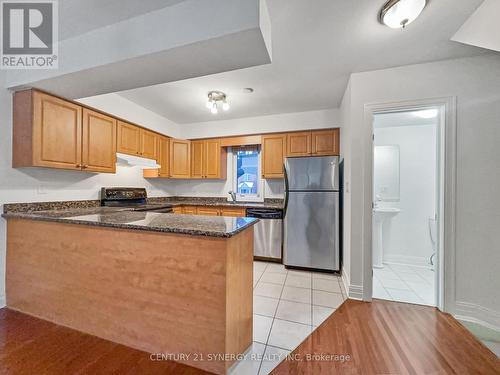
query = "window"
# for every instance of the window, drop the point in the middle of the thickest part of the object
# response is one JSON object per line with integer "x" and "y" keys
{"x": 247, "y": 182}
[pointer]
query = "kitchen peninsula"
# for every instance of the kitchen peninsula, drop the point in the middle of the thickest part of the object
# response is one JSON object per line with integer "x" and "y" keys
{"x": 158, "y": 282}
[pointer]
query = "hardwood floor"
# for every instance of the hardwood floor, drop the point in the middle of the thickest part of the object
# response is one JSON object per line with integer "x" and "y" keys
{"x": 385, "y": 337}
{"x": 30, "y": 346}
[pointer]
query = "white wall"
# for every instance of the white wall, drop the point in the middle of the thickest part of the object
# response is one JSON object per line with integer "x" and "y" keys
{"x": 406, "y": 234}
{"x": 475, "y": 82}
{"x": 328, "y": 118}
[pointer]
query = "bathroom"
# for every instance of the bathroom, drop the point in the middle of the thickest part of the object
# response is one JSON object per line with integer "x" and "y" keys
{"x": 405, "y": 209}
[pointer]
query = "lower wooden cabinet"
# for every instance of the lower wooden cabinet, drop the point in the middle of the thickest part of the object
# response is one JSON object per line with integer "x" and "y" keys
{"x": 211, "y": 211}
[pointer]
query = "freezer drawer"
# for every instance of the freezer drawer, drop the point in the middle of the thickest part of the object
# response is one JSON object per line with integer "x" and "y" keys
{"x": 311, "y": 231}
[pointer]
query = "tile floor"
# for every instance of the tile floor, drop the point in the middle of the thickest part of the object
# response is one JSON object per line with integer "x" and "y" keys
{"x": 288, "y": 306}
{"x": 404, "y": 283}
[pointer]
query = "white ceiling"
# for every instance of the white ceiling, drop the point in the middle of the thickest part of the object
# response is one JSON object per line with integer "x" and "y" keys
{"x": 317, "y": 44}
{"x": 78, "y": 17}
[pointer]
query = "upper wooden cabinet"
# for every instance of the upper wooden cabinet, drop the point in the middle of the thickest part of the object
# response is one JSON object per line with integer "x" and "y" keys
{"x": 208, "y": 159}
{"x": 273, "y": 155}
{"x": 317, "y": 142}
{"x": 180, "y": 158}
{"x": 164, "y": 156}
{"x": 98, "y": 142}
{"x": 149, "y": 144}
{"x": 299, "y": 144}
{"x": 325, "y": 142}
{"x": 55, "y": 133}
{"x": 128, "y": 139}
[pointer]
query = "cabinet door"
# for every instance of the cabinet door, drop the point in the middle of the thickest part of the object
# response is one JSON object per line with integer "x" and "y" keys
{"x": 190, "y": 210}
{"x": 197, "y": 159}
{"x": 325, "y": 142}
{"x": 299, "y": 144}
{"x": 233, "y": 212}
{"x": 57, "y": 133}
{"x": 128, "y": 139}
{"x": 273, "y": 154}
{"x": 180, "y": 158}
{"x": 208, "y": 211}
{"x": 149, "y": 144}
{"x": 99, "y": 142}
{"x": 215, "y": 159}
{"x": 163, "y": 156}
{"x": 178, "y": 210}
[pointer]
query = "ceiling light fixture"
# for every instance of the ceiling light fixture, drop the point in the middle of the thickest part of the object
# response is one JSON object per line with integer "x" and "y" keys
{"x": 398, "y": 13}
{"x": 427, "y": 113}
{"x": 216, "y": 98}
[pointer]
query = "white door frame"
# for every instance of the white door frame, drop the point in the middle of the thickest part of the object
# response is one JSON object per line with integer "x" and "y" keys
{"x": 447, "y": 141}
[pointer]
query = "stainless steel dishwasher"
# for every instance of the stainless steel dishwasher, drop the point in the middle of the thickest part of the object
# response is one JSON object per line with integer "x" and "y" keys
{"x": 268, "y": 233}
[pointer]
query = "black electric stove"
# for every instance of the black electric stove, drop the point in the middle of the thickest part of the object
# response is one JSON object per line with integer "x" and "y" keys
{"x": 133, "y": 198}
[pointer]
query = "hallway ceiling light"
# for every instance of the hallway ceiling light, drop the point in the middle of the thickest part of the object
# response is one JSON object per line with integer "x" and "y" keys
{"x": 398, "y": 13}
{"x": 427, "y": 113}
{"x": 216, "y": 99}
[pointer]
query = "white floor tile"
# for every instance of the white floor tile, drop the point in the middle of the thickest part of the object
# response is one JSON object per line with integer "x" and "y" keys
{"x": 326, "y": 285}
{"x": 251, "y": 363}
{"x": 407, "y": 296}
{"x": 268, "y": 290}
{"x": 400, "y": 267}
{"x": 291, "y": 293}
{"x": 272, "y": 358}
{"x": 385, "y": 274}
{"x": 259, "y": 266}
{"x": 265, "y": 305}
{"x": 324, "y": 275}
{"x": 273, "y": 277}
{"x": 276, "y": 267}
{"x": 394, "y": 284}
{"x": 294, "y": 311}
{"x": 300, "y": 273}
{"x": 412, "y": 277}
{"x": 320, "y": 313}
{"x": 298, "y": 281}
{"x": 261, "y": 328}
{"x": 327, "y": 299}
{"x": 380, "y": 292}
{"x": 288, "y": 335}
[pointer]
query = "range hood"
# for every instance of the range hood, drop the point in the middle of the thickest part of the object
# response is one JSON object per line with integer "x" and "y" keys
{"x": 124, "y": 160}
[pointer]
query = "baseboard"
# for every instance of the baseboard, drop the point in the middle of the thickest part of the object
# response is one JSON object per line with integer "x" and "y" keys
{"x": 345, "y": 281}
{"x": 473, "y": 313}
{"x": 3, "y": 302}
{"x": 406, "y": 260}
{"x": 356, "y": 292}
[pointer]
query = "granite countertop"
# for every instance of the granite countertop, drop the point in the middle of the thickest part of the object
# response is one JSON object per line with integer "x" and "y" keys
{"x": 211, "y": 226}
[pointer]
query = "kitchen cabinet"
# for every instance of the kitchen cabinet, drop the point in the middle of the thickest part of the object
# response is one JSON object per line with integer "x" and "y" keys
{"x": 190, "y": 210}
{"x": 128, "y": 139}
{"x": 207, "y": 211}
{"x": 299, "y": 144}
{"x": 163, "y": 156}
{"x": 208, "y": 159}
{"x": 149, "y": 144}
{"x": 233, "y": 211}
{"x": 180, "y": 158}
{"x": 325, "y": 142}
{"x": 98, "y": 142}
{"x": 273, "y": 155}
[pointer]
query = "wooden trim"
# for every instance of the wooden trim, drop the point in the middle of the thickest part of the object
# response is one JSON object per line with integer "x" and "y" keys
{"x": 22, "y": 129}
{"x": 244, "y": 140}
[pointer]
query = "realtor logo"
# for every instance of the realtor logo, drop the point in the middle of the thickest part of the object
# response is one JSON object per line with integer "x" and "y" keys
{"x": 29, "y": 34}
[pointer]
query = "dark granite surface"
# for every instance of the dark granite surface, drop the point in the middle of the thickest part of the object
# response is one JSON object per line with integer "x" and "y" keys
{"x": 212, "y": 226}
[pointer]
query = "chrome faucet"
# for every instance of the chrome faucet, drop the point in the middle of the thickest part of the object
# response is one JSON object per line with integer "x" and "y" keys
{"x": 233, "y": 195}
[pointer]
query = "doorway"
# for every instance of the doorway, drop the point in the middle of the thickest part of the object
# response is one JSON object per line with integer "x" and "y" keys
{"x": 406, "y": 205}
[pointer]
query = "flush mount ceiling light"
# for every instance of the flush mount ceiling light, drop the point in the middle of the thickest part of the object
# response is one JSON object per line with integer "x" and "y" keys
{"x": 427, "y": 113}
{"x": 398, "y": 13}
{"x": 216, "y": 99}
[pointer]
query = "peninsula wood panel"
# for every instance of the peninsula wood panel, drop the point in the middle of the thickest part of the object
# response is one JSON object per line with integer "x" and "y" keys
{"x": 385, "y": 337}
{"x": 128, "y": 139}
{"x": 299, "y": 144}
{"x": 273, "y": 155}
{"x": 326, "y": 142}
{"x": 180, "y": 158}
{"x": 99, "y": 142}
{"x": 140, "y": 289}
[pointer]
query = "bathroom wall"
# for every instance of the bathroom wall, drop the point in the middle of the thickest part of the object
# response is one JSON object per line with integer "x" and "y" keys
{"x": 406, "y": 235}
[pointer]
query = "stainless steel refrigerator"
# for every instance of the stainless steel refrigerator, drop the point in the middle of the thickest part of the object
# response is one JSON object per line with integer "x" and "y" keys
{"x": 311, "y": 222}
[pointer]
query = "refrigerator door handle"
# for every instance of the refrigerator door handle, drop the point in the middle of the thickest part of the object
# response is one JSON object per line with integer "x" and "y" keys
{"x": 286, "y": 191}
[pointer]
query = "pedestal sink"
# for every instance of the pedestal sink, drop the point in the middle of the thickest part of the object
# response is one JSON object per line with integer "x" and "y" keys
{"x": 380, "y": 216}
